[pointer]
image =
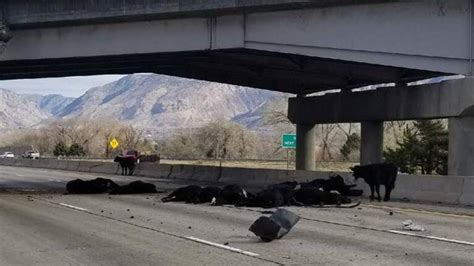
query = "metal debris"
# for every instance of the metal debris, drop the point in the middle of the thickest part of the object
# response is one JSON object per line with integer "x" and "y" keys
{"x": 410, "y": 226}
{"x": 275, "y": 226}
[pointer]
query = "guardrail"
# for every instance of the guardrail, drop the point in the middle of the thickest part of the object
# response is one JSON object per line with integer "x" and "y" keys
{"x": 445, "y": 189}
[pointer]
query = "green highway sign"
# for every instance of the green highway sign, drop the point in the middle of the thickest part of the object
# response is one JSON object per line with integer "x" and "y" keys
{"x": 288, "y": 141}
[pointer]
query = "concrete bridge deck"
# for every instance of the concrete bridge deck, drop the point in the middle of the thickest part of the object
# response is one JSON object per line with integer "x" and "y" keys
{"x": 292, "y": 46}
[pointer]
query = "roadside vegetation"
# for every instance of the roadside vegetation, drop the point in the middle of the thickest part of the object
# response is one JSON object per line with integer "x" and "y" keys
{"x": 415, "y": 146}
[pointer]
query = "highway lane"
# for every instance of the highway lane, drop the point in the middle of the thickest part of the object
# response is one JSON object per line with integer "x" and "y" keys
{"x": 38, "y": 233}
{"x": 51, "y": 228}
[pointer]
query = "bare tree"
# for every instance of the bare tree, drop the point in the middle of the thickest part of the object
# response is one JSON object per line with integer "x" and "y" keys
{"x": 130, "y": 137}
{"x": 326, "y": 139}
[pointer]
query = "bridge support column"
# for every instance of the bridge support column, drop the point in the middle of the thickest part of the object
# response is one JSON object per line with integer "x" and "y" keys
{"x": 371, "y": 144}
{"x": 305, "y": 147}
{"x": 461, "y": 146}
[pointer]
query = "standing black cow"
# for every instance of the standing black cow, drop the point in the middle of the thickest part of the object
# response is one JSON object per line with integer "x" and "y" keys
{"x": 376, "y": 175}
{"x": 127, "y": 164}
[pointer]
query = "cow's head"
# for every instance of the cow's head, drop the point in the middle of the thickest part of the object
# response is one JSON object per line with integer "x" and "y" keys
{"x": 356, "y": 172}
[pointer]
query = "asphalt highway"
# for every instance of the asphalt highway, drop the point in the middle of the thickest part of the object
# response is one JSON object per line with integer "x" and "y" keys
{"x": 39, "y": 225}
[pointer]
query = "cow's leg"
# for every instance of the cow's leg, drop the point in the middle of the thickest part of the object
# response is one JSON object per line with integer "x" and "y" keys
{"x": 388, "y": 190}
{"x": 377, "y": 189}
{"x": 371, "y": 192}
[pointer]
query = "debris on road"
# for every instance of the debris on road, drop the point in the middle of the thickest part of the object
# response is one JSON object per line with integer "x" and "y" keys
{"x": 410, "y": 226}
{"x": 275, "y": 226}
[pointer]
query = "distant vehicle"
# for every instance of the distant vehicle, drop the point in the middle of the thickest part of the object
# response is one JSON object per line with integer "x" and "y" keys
{"x": 7, "y": 154}
{"x": 31, "y": 155}
{"x": 135, "y": 155}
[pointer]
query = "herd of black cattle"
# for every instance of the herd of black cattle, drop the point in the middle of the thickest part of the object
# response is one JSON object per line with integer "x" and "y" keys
{"x": 331, "y": 191}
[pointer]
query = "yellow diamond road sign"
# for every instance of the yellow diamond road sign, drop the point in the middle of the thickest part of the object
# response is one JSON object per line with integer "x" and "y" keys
{"x": 114, "y": 143}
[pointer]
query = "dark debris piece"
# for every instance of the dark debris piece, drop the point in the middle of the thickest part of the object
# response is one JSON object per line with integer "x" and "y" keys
{"x": 275, "y": 226}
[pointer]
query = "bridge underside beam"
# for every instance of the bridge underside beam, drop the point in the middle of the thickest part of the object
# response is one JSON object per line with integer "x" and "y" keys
{"x": 32, "y": 13}
{"x": 451, "y": 98}
{"x": 252, "y": 68}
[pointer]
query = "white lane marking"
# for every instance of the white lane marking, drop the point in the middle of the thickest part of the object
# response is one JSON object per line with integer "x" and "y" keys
{"x": 72, "y": 207}
{"x": 19, "y": 175}
{"x": 433, "y": 237}
{"x": 456, "y": 215}
{"x": 248, "y": 253}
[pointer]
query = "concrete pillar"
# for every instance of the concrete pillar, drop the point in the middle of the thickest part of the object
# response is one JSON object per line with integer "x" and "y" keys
{"x": 305, "y": 147}
{"x": 371, "y": 143}
{"x": 461, "y": 146}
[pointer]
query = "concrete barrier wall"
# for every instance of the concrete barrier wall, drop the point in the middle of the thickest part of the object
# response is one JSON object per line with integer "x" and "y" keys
{"x": 152, "y": 170}
{"x": 445, "y": 189}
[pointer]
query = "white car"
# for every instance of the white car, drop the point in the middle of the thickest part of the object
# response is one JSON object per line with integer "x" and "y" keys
{"x": 7, "y": 155}
{"x": 31, "y": 155}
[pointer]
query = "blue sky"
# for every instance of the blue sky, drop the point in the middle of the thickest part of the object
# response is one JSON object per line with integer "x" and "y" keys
{"x": 68, "y": 86}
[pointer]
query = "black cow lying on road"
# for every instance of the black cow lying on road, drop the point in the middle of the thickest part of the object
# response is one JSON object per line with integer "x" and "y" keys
{"x": 231, "y": 195}
{"x": 134, "y": 187}
{"x": 209, "y": 193}
{"x": 188, "y": 194}
{"x": 316, "y": 196}
{"x": 98, "y": 185}
{"x": 267, "y": 198}
{"x": 277, "y": 195}
{"x": 376, "y": 175}
{"x": 334, "y": 183}
{"x": 282, "y": 194}
{"x": 127, "y": 164}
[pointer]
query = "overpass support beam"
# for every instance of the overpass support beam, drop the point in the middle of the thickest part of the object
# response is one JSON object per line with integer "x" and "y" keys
{"x": 371, "y": 146}
{"x": 305, "y": 147}
{"x": 461, "y": 146}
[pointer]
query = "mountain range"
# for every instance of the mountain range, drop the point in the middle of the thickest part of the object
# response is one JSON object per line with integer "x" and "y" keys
{"x": 162, "y": 105}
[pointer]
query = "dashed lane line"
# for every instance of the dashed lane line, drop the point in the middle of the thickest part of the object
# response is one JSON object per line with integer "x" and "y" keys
{"x": 433, "y": 237}
{"x": 72, "y": 207}
{"x": 248, "y": 253}
{"x": 189, "y": 238}
{"x": 452, "y": 215}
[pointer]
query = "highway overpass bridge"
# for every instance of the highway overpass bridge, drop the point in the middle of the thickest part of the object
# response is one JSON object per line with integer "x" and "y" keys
{"x": 293, "y": 46}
